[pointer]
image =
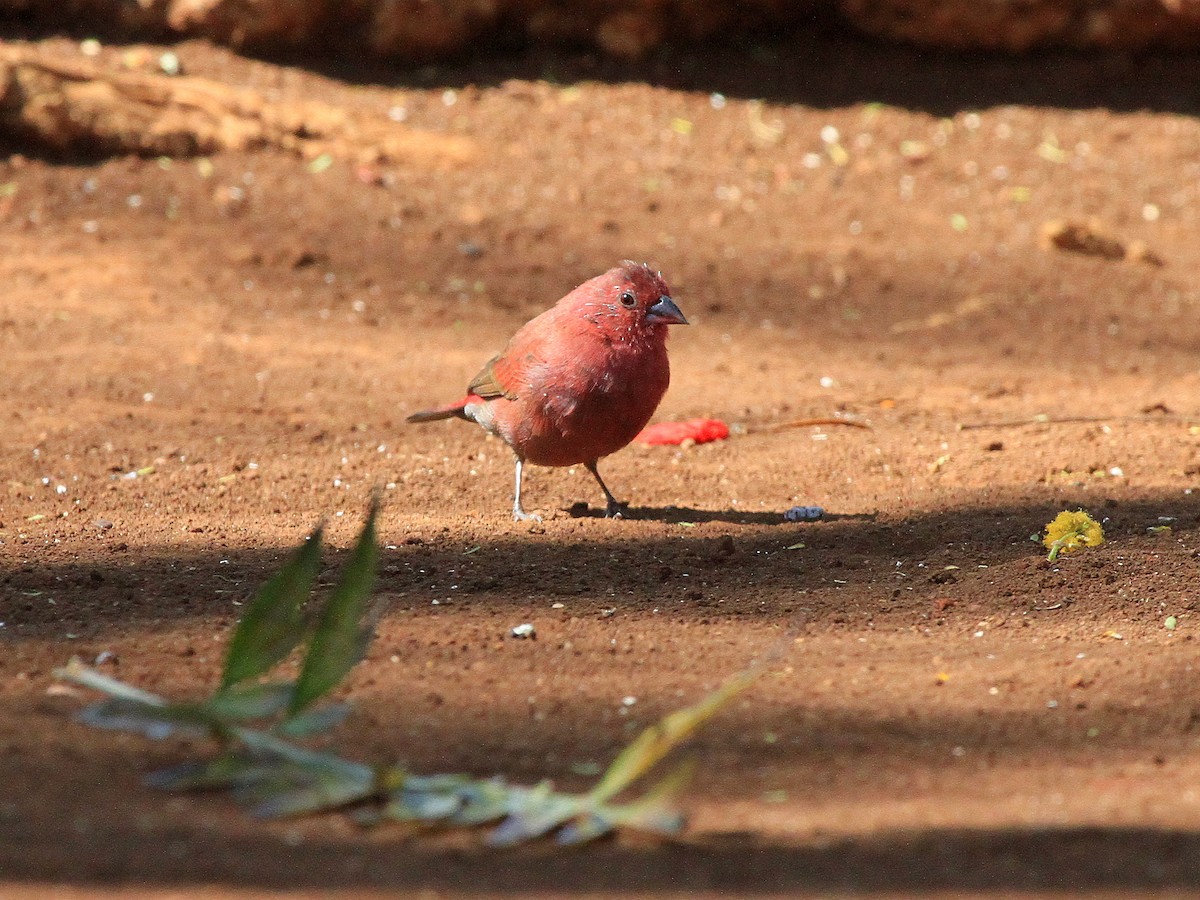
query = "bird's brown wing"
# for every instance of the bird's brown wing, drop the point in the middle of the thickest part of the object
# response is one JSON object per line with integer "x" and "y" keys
{"x": 538, "y": 344}
{"x": 494, "y": 380}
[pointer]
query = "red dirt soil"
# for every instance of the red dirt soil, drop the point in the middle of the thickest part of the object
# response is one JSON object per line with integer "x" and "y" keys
{"x": 954, "y": 715}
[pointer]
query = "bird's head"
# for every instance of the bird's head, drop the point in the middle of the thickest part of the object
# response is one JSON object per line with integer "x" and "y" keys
{"x": 632, "y": 299}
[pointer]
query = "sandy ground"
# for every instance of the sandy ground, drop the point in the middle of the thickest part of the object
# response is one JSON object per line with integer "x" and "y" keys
{"x": 852, "y": 231}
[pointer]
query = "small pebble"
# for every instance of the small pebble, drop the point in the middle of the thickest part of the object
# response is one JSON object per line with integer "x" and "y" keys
{"x": 524, "y": 630}
{"x": 804, "y": 514}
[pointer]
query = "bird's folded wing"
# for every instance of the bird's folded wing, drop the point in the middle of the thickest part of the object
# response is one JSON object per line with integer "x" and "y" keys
{"x": 494, "y": 380}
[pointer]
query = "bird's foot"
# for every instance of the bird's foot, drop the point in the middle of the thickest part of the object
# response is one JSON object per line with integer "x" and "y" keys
{"x": 519, "y": 515}
{"x": 615, "y": 509}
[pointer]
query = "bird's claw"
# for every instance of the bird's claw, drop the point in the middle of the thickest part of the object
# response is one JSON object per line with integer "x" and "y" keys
{"x": 615, "y": 510}
{"x": 519, "y": 515}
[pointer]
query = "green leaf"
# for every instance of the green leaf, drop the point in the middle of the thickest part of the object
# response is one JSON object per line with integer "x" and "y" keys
{"x": 254, "y": 701}
{"x": 296, "y": 792}
{"x": 275, "y": 778}
{"x": 655, "y": 811}
{"x": 274, "y": 620}
{"x": 483, "y": 801}
{"x": 532, "y": 813}
{"x": 586, "y": 828}
{"x": 266, "y": 745}
{"x": 155, "y": 721}
{"x": 314, "y": 721}
{"x": 340, "y": 639}
{"x": 225, "y": 771}
{"x": 423, "y": 806}
{"x": 458, "y": 800}
{"x": 132, "y": 709}
{"x": 86, "y": 676}
{"x": 660, "y": 738}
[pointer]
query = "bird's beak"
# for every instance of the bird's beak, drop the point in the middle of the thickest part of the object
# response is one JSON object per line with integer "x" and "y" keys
{"x": 665, "y": 312}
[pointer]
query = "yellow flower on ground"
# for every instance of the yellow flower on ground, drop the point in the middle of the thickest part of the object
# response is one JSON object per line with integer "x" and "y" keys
{"x": 1071, "y": 531}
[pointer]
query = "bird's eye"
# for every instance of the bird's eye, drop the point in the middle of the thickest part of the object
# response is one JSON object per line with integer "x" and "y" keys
{"x": 628, "y": 300}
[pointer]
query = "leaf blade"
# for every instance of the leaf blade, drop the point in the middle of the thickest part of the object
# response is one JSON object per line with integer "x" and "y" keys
{"x": 79, "y": 673}
{"x": 256, "y": 701}
{"x": 649, "y": 747}
{"x": 274, "y": 621}
{"x": 340, "y": 638}
{"x": 153, "y": 720}
{"x": 314, "y": 721}
{"x": 532, "y": 813}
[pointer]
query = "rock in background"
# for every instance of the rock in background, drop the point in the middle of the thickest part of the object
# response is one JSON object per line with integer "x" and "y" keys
{"x": 425, "y": 30}
{"x": 81, "y": 107}
{"x": 1018, "y": 25}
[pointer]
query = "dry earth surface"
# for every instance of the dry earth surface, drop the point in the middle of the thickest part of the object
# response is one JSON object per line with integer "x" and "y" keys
{"x": 853, "y": 231}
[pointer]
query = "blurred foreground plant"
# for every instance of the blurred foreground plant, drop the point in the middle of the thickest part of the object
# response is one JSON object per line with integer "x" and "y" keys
{"x": 256, "y": 724}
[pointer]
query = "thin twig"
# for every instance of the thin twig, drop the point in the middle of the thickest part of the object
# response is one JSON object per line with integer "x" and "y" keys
{"x": 804, "y": 423}
{"x": 1077, "y": 420}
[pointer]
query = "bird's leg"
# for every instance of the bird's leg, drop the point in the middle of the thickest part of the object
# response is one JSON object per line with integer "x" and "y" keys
{"x": 615, "y": 508}
{"x": 519, "y": 515}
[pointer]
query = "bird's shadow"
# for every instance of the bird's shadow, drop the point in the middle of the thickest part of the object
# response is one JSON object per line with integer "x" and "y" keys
{"x": 681, "y": 515}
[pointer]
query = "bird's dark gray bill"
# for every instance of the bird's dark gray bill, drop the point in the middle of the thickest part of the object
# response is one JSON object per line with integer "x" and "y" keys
{"x": 666, "y": 312}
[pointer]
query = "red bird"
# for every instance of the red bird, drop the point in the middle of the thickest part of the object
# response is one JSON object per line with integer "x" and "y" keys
{"x": 579, "y": 381}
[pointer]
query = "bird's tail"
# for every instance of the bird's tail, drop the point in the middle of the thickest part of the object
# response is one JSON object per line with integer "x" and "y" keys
{"x": 449, "y": 411}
